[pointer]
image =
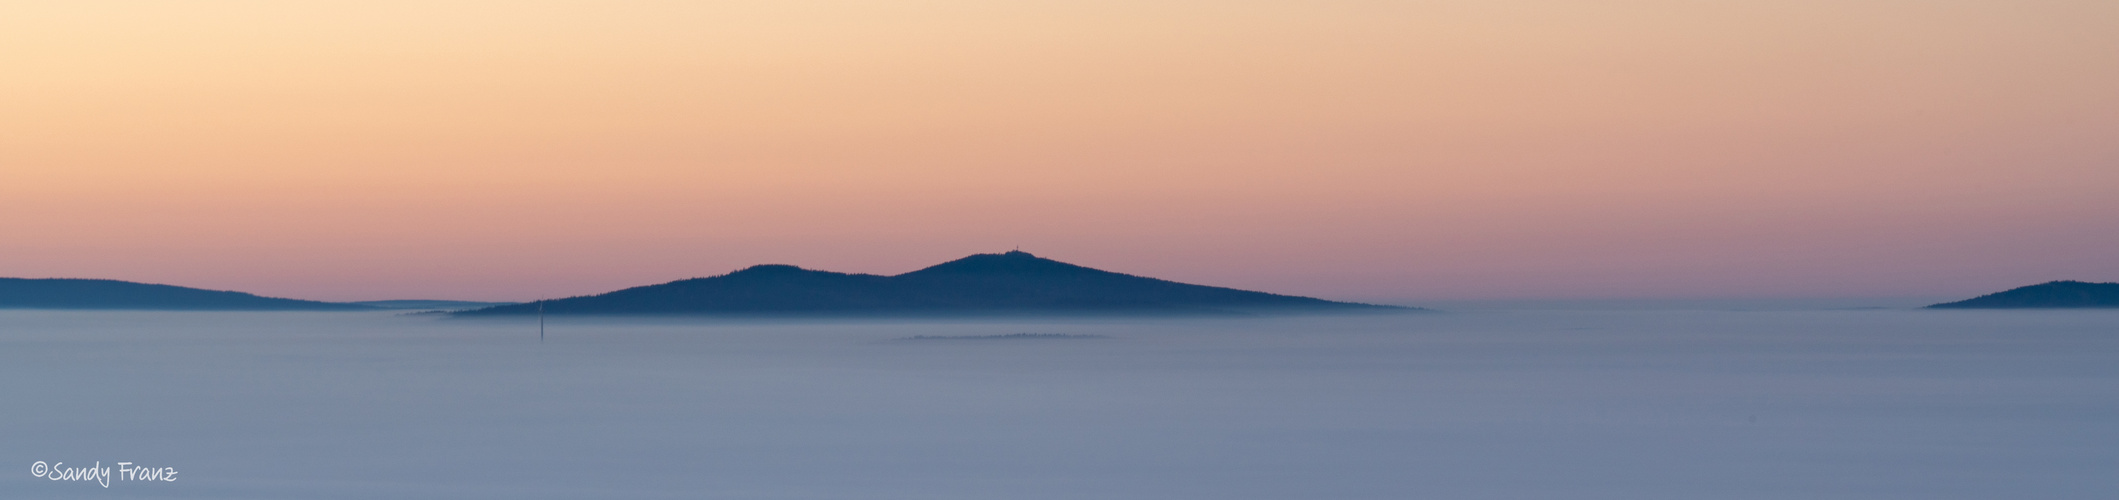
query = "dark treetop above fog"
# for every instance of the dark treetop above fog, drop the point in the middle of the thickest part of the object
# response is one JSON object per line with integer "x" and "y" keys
{"x": 2057, "y": 294}
{"x": 1008, "y": 283}
{"x": 111, "y": 294}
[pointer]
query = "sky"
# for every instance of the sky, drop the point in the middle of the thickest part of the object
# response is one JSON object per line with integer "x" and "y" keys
{"x": 1363, "y": 150}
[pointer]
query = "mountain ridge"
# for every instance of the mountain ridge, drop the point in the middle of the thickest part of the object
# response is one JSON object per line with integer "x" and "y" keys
{"x": 2049, "y": 295}
{"x": 1014, "y": 282}
{"x": 75, "y": 293}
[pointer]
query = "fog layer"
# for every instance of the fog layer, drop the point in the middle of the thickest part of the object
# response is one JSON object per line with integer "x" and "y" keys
{"x": 1620, "y": 404}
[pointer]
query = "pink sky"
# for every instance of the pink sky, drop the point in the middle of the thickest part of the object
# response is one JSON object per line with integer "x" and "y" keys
{"x": 1385, "y": 151}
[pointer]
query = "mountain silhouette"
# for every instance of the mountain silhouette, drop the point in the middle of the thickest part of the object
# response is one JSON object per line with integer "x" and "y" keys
{"x": 1007, "y": 283}
{"x": 60, "y": 293}
{"x": 2050, "y": 295}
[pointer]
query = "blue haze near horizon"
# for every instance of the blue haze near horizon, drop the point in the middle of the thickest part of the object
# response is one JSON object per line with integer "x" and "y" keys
{"x": 1678, "y": 402}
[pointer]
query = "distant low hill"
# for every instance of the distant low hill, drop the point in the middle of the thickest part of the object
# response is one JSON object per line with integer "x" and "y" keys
{"x": 2053, "y": 295}
{"x": 59, "y": 293}
{"x": 1007, "y": 283}
{"x": 429, "y": 305}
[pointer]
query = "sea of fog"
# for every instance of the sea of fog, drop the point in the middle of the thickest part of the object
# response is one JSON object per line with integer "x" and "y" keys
{"x": 1585, "y": 403}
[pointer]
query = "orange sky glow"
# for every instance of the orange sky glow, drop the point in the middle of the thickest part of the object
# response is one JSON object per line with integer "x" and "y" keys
{"x": 1363, "y": 150}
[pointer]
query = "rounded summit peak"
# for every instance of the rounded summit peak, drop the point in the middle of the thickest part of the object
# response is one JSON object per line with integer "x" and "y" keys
{"x": 1011, "y": 262}
{"x": 768, "y": 268}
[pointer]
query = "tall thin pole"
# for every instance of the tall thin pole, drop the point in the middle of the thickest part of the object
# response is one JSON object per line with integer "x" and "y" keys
{"x": 540, "y": 320}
